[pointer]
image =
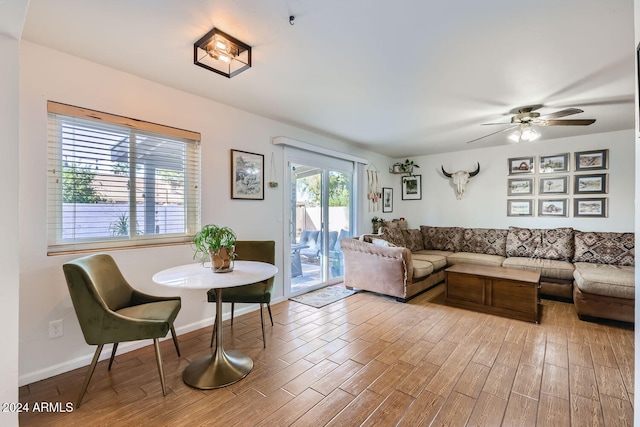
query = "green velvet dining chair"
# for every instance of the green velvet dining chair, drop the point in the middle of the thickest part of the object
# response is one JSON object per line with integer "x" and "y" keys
{"x": 110, "y": 311}
{"x": 255, "y": 293}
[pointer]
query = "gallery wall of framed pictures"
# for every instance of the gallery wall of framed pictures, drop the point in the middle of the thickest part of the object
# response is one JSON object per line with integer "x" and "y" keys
{"x": 548, "y": 186}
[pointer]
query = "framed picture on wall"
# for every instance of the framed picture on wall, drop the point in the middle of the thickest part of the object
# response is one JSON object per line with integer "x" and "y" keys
{"x": 520, "y": 207}
{"x": 519, "y": 165}
{"x": 591, "y": 184}
{"x": 412, "y": 187}
{"x": 519, "y": 186}
{"x": 555, "y": 163}
{"x": 593, "y": 208}
{"x": 555, "y": 185}
{"x": 247, "y": 175}
{"x": 552, "y": 207}
{"x": 592, "y": 160}
{"x": 387, "y": 200}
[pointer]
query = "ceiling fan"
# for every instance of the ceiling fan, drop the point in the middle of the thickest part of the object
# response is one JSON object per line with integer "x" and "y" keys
{"x": 527, "y": 117}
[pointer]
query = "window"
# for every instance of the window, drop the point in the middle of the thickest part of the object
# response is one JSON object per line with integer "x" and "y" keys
{"x": 115, "y": 182}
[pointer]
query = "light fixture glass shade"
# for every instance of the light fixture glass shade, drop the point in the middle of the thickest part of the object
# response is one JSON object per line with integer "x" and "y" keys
{"x": 515, "y": 136}
{"x": 221, "y": 53}
{"x": 529, "y": 134}
{"x": 524, "y": 133}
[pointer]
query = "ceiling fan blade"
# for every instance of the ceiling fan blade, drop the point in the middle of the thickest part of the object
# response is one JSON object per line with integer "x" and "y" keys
{"x": 502, "y": 130}
{"x": 583, "y": 122}
{"x": 561, "y": 113}
{"x": 501, "y": 124}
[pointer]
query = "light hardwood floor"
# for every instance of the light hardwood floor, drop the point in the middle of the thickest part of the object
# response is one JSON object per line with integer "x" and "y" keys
{"x": 369, "y": 360}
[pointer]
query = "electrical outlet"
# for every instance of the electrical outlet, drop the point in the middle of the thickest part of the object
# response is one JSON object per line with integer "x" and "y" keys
{"x": 56, "y": 329}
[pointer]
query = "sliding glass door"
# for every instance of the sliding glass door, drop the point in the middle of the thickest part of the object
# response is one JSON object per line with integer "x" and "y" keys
{"x": 320, "y": 214}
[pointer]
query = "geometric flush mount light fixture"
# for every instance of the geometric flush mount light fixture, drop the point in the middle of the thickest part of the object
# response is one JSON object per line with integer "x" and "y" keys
{"x": 221, "y": 53}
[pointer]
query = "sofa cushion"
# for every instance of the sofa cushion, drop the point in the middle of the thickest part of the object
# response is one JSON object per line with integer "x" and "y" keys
{"x": 548, "y": 243}
{"x": 547, "y": 268}
{"x": 444, "y": 254}
{"x": 604, "y": 279}
{"x": 556, "y": 243}
{"x": 490, "y": 241}
{"x": 421, "y": 268}
{"x": 605, "y": 248}
{"x": 393, "y": 235}
{"x": 413, "y": 239}
{"x": 441, "y": 238}
{"x": 438, "y": 261}
{"x": 522, "y": 242}
{"x": 471, "y": 258}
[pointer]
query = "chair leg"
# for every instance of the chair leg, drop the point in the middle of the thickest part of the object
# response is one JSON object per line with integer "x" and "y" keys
{"x": 175, "y": 340}
{"x": 264, "y": 341}
{"x": 213, "y": 331}
{"x": 270, "y": 316}
{"x": 233, "y": 306}
{"x": 87, "y": 377}
{"x": 113, "y": 354}
{"x": 156, "y": 344}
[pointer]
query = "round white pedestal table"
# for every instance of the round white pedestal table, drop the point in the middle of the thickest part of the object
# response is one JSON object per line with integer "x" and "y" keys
{"x": 222, "y": 367}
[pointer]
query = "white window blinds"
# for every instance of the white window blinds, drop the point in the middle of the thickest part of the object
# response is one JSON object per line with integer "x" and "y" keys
{"x": 116, "y": 182}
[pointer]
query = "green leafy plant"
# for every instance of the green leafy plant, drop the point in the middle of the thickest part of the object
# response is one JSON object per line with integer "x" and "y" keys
{"x": 407, "y": 167}
{"x": 120, "y": 227}
{"x": 211, "y": 239}
{"x": 78, "y": 185}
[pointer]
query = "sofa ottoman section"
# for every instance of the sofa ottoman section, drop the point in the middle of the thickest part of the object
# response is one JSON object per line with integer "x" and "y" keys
{"x": 604, "y": 291}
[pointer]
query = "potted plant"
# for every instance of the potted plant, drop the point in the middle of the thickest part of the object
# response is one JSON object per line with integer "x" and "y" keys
{"x": 407, "y": 167}
{"x": 218, "y": 244}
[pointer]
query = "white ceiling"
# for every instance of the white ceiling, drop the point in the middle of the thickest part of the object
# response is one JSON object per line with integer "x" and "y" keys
{"x": 401, "y": 78}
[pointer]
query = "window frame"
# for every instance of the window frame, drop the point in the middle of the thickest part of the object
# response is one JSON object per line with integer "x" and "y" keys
{"x": 58, "y": 113}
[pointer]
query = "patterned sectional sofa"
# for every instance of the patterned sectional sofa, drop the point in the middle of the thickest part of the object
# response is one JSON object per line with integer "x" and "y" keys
{"x": 594, "y": 269}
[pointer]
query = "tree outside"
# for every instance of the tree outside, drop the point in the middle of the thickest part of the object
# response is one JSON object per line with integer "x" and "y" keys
{"x": 77, "y": 185}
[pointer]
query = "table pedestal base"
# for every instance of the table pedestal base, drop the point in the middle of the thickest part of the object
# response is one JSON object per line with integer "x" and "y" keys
{"x": 221, "y": 369}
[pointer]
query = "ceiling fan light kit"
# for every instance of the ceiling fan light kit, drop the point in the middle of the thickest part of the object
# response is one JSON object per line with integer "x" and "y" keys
{"x": 524, "y": 133}
{"x": 527, "y": 118}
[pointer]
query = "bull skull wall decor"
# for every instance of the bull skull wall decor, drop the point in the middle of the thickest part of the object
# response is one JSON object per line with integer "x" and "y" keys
{"x": 460, "y": 179}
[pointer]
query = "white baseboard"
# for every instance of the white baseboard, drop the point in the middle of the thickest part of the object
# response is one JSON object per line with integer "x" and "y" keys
{"x": 85, "y": 360}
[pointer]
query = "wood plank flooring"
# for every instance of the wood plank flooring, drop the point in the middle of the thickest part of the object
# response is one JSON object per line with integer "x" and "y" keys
{"x": 371, "y": 361}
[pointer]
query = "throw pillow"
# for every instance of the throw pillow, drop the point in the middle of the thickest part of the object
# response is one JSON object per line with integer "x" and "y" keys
{"x": 490, "y": 241}
{"x": 442, "y": 238}
{"x": 605, "y": 248}
{"x": 393, "y": 235}
{"x": 523, "y": 242}
{"x": 556, "y": 244}
{"x": 413, "y": 239}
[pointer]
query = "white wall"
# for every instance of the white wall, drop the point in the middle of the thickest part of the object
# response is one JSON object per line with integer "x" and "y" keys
{"x": 50, "y": 75}
{"x": 9, "y": 217}
{"x": 485, "y": 201}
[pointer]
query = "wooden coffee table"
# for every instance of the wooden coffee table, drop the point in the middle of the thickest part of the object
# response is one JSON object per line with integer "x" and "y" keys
{"x": 507, "y": 292}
